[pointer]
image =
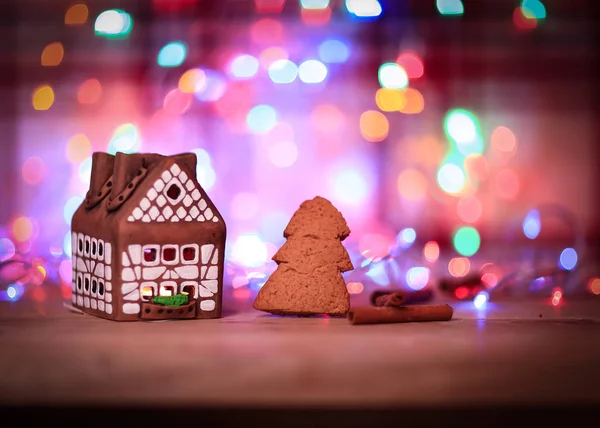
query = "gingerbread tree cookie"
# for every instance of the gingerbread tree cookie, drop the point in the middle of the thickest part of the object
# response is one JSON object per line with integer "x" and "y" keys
{"x": 308, "y": 279}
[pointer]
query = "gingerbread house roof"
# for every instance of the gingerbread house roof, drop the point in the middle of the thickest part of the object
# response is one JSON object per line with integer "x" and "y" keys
{"x": 150, "y": 188}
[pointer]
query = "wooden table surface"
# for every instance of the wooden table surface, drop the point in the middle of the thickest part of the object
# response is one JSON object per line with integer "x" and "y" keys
{"x": 513, "y": 352}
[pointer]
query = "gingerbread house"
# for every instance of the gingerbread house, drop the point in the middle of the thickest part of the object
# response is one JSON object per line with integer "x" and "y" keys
{"x": 147, "y": 229}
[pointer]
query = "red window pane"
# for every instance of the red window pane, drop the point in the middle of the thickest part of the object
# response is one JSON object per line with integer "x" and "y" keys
{"x": 173, "y": 191}
{"x": 189, "y": 254}
{"x": 150, "y": 255}
{"x": 169, "y": 254}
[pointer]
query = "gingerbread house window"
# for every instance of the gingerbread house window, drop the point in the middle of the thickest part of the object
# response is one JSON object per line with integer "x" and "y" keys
{"x": 173, "y": 192}
{"x": 79, "y": 282}
{"x": 94, "y": 251}
{"x": 86, "y": 283}
{"x": 167, "y": 288}
{"x": 86, "y": 251}
{"x": 80, "y": 245}
{"x": 190, "y": 254}
{"x": 191, "y": 288}
{"x": 100, "y": 288}
{"x": 100, "y": 249}
{"x": 94, "y": 286}
{"x": 170, "y": 255}
{"x": 148, "y": 291}
{"x": 150, "y": 255}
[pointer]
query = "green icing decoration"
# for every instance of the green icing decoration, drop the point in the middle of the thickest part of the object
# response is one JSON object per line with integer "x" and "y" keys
{"x": 176, "y": 300}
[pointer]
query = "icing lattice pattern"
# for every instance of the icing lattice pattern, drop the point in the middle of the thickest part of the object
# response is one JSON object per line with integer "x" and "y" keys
{"x": 152, "y": 270}
{"x": 92, "y": 273}
{"x": 174, "y": 197}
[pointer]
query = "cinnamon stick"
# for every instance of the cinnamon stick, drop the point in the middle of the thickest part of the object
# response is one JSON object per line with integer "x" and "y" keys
{"x": 399, "y": 297}
{"x": 390, "y": 314}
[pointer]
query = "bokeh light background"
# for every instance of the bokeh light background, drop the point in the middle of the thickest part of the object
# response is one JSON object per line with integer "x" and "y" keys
{"x": 441, "y": 129}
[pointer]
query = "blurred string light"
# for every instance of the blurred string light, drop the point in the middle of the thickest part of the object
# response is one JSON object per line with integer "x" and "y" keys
{"x": 43, "y": 97}
{"x": 85, "y": 171}
{"x": 458, "y": 267}
{"x": 412, "y": 64}
{"x": 177, "y": 102}
{"x": 205, "y": 174}
{"x": 450, "y": 7}
{"x": 125, "y": 139}
{"x": 76, "y": 14}
{"x": 374, "y": 126}
{"x": 481, "y": 299}
{"x": 312, "y": 71}
{"x": 364, "y": 8}
{"x": 244, "y": 205}
{"x": 406, "y": 237}
{"x": 22, "y": 229}
{"x": 7, "y": 249}
{"x": 70, "y": 207}
{"x": 269, "y": 55}
{"x": 53, "y": 54}
{"x": 244, "y": 67}
{"x": 466, "y": 241}
{"x": 568, "y": 259}
{"x": 503, "y": 139}
{"x": 523, "y": 22}
{"x": 462, "y": 127}
{"x": 415, "y": 103}
{"x": 315, "y": 16}
{"x": 266, "y": 30}
{"x": 33, "y": 170}
{"x": 391, "y": 75}
{"x": 469, "y": 209}
{"x": 594, "y": 283}
{"x": 89, "y": 92}
{"x": 314, "y": 4}
{"x": 557, "y": 295}
{"x": 114, "y": 23}
{"x": 431, "y": 251}
{"x": 192, "y": 81}
{"x": 389, "y": 100}
{"x": 533, "y": 9}
{"x": 532, "y": 224}
{"x": 412, "y": 184}
{"x": 417, "y": 277}
{"x": 476, "y": 166}
{"x": 350, "y": 187}
{"x": 283, "y": 71}
{"x": 261, "y": 118}
{"x": 214, "y": 88}
{"x": 355, "y": 287}
{"x": 172, "y": 54}
{"x": 67, "y": 245}
{"x": 249, "y": 250}
{"x": 333, "y": 51}
{"x": 451, "y": 178}
{"x": 328, "y": 119}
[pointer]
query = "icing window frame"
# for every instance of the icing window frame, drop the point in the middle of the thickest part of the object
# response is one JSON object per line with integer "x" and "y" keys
{"x": 185, "y": 285}
{"x": 156, "y": 249}
{"x": 196, "y": 258}
{"x": 167, "y": 288}
{"x": 174, "y": 182}
{"x": 94, "y": 286}
{"x": 100, "y": 250}
{"x": 80, "y": 240}
{"x": 87, "y": 246}
{"x": 87, "y": 282}
{"x": 101, "y": 288}
{"x": 175, "y": 261}
{"x": 145, "y": 285}
{"x": 94, "y": 249}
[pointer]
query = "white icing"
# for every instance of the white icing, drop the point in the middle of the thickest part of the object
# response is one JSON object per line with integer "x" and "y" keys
{"x": 174, "y": 275}
{"x": 196, "y": 194}
{"x": 159, "y": 185}
{"x": 73, "y": 298}
{"x": 194, "y": 212}
{"x": 134, "y": 295}
{"x": 94, "y": 254}
{"x": 87, "y": 246}
{"x": 181, "y": 212}
{"x": 215, "y": 219}
{"x": 108, "y": 273}
{"x": 175, "y": 170}
{"x": 131, "y": 308}
{"x": 201, "y": 218}
{"x": 128, "y": 275}
{"x": 204, "y": 292}
{"x": 101, "y": 305}
{"x": 152, "y": 194}
{"x": 91, "y": 265}
{"x": 187, "y": 201}
{"x": 196, "y": 254}
{"x": 130, "y": 219}
{"x": 107, "y": 253}
{"x": 187, "y": 272}
{"x": 202, "y": 205}
{"x": 87, "y": 278}
{"x": 154, "y": 213}
{"x": 202, "y": 272}
{"x": 138, "y": 272}
{"x": 188, "y": 218}
{"x": 168, "y": 212}
{"x": 174, "y": 219}
{"x": 81, "y": 267}
{"x": 108, "y": 309}
{"x": 146, "y": 219}
{"x": 215, "y": 259}
{"x": 80, "y": 238}
{"x": 206, "y": 252}
{"x": 86, "y": 302}
{"x": 79, "y": 300}
{"x": 167, "y": 275}
{"x": 135, "y": 252}
{"x": 213, "y": 272}
{"x": 94, "y": 304}
{"x": 151, "y": 273}
{"x": 208, "y": 213}
{"x": 207, "y": 305}
{"x": 166, "y": 176}
{"x": 211, "y": 284}
{"x": 108, "y": 286}
{"x": 189, "y": 185}
{"x": 125, "y": 260}
{"x": 108, "y": 297}
{"x": 144, "y": 204}
{"x": 160, "y": 219}
{"x": 183, "y": 177}
{"x": 161, "y": 201}
{"x": 128, "y": 287}
{"x": 137, "y": 213}
{"x": 99, "y": 272}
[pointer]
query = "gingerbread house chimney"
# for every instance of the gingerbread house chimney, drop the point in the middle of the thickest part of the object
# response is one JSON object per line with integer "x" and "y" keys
{"x": 100, "y": 182}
